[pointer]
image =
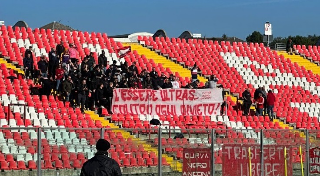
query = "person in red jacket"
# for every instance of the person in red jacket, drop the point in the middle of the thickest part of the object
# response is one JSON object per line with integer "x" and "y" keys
{"x": 59, "y": 76}
{"x": 270, "y": 103}
{"x": 260, "y": 102}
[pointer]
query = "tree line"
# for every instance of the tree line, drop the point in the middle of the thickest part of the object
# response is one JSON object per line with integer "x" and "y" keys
{"x": 257, "y": 37}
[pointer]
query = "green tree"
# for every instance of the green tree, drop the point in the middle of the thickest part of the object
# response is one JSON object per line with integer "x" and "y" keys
{"x": 255, "y": 37}
{"x": 224, "y": 37}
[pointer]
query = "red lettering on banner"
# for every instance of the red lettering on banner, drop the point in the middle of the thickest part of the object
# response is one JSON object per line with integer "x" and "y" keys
{"x": 191, "y": 94}
{"x": 166, "y": 109}
{"x": 172, "y": 94}
{"x": 123, "y": 94}
{"x": 164, "y": 95}
{"x": 140, "y": 92}
{"x": 235, "y": 159}
{"x": 115, "y": 94}
{"x": 168, "y": 101}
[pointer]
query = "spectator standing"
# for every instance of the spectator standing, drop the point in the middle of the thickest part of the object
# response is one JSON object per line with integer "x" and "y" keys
{"x": 109, "y": 95}
{"x": 28, "y": 51}
{"x": 67, "y": 87}
{"x": 101, "y": 96}
{"x": 60, "y": 49}
{"x": 47, "y": 85}
{"x": 153, "y": 73}
{"x": 133, "y": 67}
{"x": 103, "y": 61}
{"x": 224, "y": 104}
{"x": 167, "y": 84}
{"x": 83, "y": 92}
{"x": 91, "y": 61}
{"x": 28, "y": 66}
{"x": 73, "y": 53}
{"x": 147, "y": 83}
{"x": 260, "y": 103}
{"x": 270, "y": 103}
{"x": 289, "y": 46}
{"x": 53, "y": 62}
{"x": 212, "y": 83}
{"x": 65, "y": 57}
{"x": 59, "y": 76}
{"x": 101, "y": 164}
{"x": 194, "y": 85}
{"x": 264, "y": 95}
{"x": 246, "y": 95}
{"x": 175, "y": 83}
{"x": 194, "y": 72}
{"x": 43, "y": 66}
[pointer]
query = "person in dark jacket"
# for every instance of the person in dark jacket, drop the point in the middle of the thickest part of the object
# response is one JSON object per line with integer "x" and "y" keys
{"x": 109, "y": 95}
{"x": 270, "y": 103}
{"x": 83, "y": 92}
{"x": 167, "y": 84}
{"x": 101, "y": 164}
{"x": 91, "y": 61}
{"x": 147, "y": 83}
{"x": 28, "y": 51}
{"x": 289, "y": 46}
{"x": 60, "y": 49}
{"x": 47, "y": 85}
{"x": 153, "y": 73}
{"x": 67, "y": 87}
{"x": 28, "y": 66}
{"x": 53, "y": 62}
{"x": 101, "y": 96}
{"x": 246, "y": 95}
{"x": 103, "y": 61}
{"x": 256, "y": 93}
{"x": 43, "y": 66}
{"x": 133, "y": 67}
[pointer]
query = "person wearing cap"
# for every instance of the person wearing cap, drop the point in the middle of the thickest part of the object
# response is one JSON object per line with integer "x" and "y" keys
{"x": 101, "y": 164}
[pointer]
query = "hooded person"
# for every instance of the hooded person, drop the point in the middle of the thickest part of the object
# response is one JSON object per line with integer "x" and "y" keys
{"x": 101, "y": 164}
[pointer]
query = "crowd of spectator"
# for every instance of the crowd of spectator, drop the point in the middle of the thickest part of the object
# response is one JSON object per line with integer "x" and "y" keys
{"x": 263, "y": 101}
{"x": 90, "y": 84}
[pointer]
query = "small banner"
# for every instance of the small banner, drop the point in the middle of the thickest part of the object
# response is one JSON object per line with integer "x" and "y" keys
{"x": 235, "y": 160}
{"x": 314, "y": 155}
{"x": 196, "y": 161}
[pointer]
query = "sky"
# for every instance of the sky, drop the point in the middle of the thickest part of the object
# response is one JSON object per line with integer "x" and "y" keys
{"x": 211, "y": 18}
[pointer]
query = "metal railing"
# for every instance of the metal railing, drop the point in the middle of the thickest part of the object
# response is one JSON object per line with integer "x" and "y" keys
{"x": 230, "y": 151}
{"x": 280, "y": 46}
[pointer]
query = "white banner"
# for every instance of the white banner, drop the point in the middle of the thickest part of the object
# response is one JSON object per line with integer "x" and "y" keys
{"x": 190, "y": 102}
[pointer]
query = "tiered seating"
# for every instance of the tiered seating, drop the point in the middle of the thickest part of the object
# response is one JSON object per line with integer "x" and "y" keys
{"x": 311, "y": 52}
{"x": 13, "y": 44}
{"x": 239, "y": 64}
{"x": 235, "y": 66}
{"x": 61, "y": 147}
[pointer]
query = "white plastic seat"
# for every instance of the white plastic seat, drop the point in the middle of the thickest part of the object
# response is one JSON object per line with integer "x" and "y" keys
{"x": 28, "y": 157}
{"x": 14, "y": 149}
{"x": 75, "y": 141}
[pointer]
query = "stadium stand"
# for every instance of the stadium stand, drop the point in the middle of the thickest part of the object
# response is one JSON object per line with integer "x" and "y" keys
{"x": 236, "y": 65}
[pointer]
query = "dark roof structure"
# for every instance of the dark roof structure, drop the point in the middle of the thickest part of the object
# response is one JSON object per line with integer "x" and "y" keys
{"x": 57, "y": 26}
{"x": 20, "y": 24}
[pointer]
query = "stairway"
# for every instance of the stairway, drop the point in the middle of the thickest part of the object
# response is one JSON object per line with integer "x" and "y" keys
{"x": 166, "y": 63}
{"x": 174, "y": 164}
{"x": 11, "y": 66}
{"x": 302, "y": 62}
